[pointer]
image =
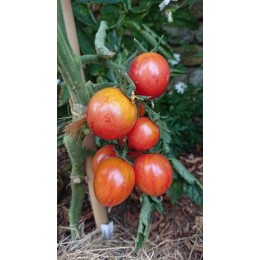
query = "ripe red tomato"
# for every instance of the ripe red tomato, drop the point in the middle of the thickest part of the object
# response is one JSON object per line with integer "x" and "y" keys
{"x": 144, "y": 135}
{"x": 110, "y": 114}
{"x": 141, "y": 109}
{"x": 104, "y": 153}
{"x": 153, "y": 174}
{"x": 113, "y": 181}
{"x": 151, "y": 74}
{"x": 132, "y": 155}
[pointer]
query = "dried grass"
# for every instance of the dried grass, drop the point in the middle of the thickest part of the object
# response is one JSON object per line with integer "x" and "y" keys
{"x": 121, "y": 246}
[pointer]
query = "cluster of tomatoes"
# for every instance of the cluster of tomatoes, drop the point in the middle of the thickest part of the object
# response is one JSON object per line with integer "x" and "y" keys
{"x": 111, "y": 115}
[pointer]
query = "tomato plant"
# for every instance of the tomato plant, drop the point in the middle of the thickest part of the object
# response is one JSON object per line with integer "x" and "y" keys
{"x": 153, "y": 174}
{"x": 110, "y": 114}
{"x": 104, "y": 153}
{"x": 151, "y": 74}
{"x": 114, "y": 181}
{"x": 144, "y": 135}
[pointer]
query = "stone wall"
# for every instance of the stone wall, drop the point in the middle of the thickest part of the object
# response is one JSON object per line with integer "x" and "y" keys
{"x": 189, "y": 44}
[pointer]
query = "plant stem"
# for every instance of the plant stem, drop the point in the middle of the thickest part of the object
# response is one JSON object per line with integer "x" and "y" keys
{"x": 100, "y": 37}
{"x": 70, "y": 67}
{"x": 77, "y": 156}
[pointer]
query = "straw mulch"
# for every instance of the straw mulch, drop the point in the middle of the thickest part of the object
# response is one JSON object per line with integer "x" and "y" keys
{"x": 176, "y": 234}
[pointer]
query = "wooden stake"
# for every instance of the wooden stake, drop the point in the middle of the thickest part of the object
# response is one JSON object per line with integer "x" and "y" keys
{"x": 99, "y": 211}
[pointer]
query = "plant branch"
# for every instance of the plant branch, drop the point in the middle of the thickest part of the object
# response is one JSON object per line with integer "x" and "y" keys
{"x": 101, "y": 49}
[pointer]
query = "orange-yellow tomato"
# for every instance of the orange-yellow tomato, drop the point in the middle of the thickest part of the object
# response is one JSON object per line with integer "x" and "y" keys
{"x": 153, "y": 174}
{"x": 103, "y": 153}
{"x": 114, "y": 181}
{"x": 110, "y": 114}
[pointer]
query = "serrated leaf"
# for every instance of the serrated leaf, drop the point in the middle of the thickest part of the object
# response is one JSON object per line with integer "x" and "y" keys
{"x": 86, "y": 44}
{"x": 176, "y": 191}
{"x": 184, "y": 173}
{"x": 149, "y": 203}
{"x": 82, "y": 13}
{"x": 110, "y": 13}
{"x": 156, "y": 203}
{"x": 194, "y": 192}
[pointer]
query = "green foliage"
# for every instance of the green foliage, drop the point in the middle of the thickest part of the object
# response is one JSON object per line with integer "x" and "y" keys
{"x": 149, "y": 204}
{"x": 183, "y": 114}
{"x": 184, "y": 173}
{"x": 185, "y": 184}
{"x": 133, "y": 27}
{"x": 139, "y": 25}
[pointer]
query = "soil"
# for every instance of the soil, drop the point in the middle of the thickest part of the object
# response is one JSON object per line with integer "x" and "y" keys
{"x": 176, "y": 234}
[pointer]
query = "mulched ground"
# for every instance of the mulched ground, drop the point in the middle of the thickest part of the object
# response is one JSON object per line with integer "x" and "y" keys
{"x": 176, "y": 234}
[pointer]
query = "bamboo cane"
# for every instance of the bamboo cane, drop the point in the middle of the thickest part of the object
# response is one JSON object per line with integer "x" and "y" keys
{"x": 99, "y": 211}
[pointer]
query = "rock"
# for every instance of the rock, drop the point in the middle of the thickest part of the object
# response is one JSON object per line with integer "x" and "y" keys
{"x": 181, "y": 78}
{"x": 179, "y": 36}
{"x": 199, "y": 34}
{"x": 197, "y": 9}
{"x": 196, "y": 77}
{"x": 190, "y": 55}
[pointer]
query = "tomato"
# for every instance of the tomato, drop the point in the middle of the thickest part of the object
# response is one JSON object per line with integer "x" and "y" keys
{"x": 141, "y": 109}
{"x": 151, "y": 74}
{"x": 153, "y": 174}
{"x": 110, "y": 114}
{"x": 144, "y": 135}
{"x": 114, "y": 181}
{"x": 132, "y": 155}
{"x": 122, "y": 141}
{"x": 104, "y": 153}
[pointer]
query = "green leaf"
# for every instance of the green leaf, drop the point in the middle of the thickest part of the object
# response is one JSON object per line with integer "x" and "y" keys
{"x": 184, "y": 173}
{"x": 101, "y": 1}
{"x": 184, "y": 18}
{"x": 156, "y": 204}
{"x": 176, "y": 191}
{"x": 85, "y": 42}
{"x": 191, "y": 3}
{"x": 63, "y": 94}
{"x": 165, "y": 136}
{"x": 194, "y": 192}
{"x": 82, "y": 13}
{"x": 110, "y": 13}
{"x": 60, "y": 140}
{"x": 149, "y": 203}
{"x": 144, "y": 6}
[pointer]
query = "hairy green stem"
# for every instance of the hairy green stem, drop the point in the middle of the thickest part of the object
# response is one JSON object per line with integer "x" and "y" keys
{"x": 69, "y": 65}
{"x": 77, "y": 156}
{"x": 139, "y": 46}
{"x": 119, "y": 70}
{"x": 100, "y": 37}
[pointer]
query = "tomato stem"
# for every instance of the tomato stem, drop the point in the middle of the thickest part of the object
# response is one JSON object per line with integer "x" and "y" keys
{"x": 77, "y": 156}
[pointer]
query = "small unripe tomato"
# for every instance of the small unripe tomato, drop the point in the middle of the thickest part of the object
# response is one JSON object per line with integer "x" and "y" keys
{"x": 103, "y": 153}
{"x": 153, "y": 174}
{"x": 110, "y": 114}
{"x": 151, "y": 74}
{"x": 113, "y": 181}
{"x": 144, "y": 135}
